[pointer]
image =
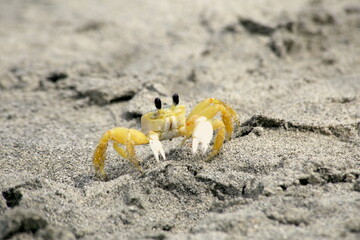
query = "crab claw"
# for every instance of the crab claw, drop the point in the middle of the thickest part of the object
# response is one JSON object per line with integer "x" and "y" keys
{"x": 202, "y": 134}
{"x": 156, "y": 146}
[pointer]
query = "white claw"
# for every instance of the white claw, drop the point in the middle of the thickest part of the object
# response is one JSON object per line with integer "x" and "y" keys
{"x": 195, "y": 144}
{"x": 156, "y": 147}
{"x": 202, "y": 134}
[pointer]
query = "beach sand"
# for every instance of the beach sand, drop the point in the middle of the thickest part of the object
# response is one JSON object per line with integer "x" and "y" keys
{"x": 71, "y": 70}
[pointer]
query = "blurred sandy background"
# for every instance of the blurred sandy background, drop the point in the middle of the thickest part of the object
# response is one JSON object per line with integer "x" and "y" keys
{"x": 70, "y": 70}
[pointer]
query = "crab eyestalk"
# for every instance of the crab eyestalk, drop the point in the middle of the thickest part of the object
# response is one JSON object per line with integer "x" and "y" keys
{"x": 175, "y": 98}
{"x": 157, "y": 103}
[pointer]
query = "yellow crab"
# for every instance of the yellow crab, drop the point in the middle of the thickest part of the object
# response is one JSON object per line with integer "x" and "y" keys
{"x": 168, "y": 123}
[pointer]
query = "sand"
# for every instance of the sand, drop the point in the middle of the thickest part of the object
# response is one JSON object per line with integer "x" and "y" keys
{"x": 70, "y": 70}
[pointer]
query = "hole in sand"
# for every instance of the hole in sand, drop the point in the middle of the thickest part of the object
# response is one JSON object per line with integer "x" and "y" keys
{"x": 304, "y": 181}
{"x": 56, "y": 76}
{"x": 12, "y": 197}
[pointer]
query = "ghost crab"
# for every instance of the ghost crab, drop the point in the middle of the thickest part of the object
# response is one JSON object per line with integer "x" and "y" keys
{"x": 162, "y": 124}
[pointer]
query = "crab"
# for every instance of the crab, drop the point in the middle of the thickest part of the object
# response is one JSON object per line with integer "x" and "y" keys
{"x": 167, "y": 123}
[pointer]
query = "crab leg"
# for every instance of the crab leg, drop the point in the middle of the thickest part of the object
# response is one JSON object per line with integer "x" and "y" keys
{"x": 197, "y": 125}
{"x": 228, "y": 115}
{"x": 124, "y": 136}
{"x": 219, "y": 138}
{"x": 209, "y": 108}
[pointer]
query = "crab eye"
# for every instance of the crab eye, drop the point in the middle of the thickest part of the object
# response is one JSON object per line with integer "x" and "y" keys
{"x": 175, "y": 98}
{"x": 157, "y": 103}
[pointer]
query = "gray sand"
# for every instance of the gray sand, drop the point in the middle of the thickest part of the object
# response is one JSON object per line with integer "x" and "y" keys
{"x": 70, "y": 70}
